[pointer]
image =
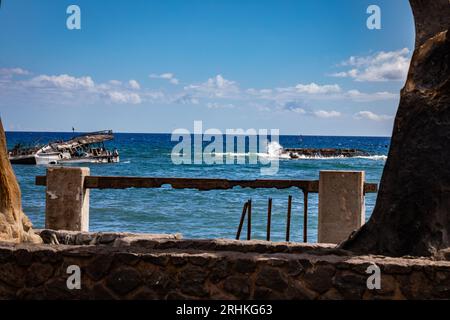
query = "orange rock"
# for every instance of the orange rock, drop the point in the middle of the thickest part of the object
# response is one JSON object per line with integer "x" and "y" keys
{"x": 14, "y": 224}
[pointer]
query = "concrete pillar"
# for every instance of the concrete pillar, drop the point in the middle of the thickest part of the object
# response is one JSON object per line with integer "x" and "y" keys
{"x": 341, "y": 205}
{"x": 67, "y": 206}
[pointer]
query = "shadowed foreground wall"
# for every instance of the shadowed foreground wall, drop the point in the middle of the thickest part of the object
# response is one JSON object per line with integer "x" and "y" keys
{"x": 136, "y": 268}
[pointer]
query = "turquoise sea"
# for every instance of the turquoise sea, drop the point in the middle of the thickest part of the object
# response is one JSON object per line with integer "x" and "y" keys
{"x": 195, "y": 214}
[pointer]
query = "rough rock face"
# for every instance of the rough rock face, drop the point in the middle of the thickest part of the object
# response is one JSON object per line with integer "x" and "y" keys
{"x": 14, "y": 224}
{"x": 412, "y": 213}
{"x": 138, "y": 267}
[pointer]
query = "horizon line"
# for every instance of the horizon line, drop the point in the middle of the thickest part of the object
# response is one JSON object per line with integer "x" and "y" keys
{"x": 167, "y": 133}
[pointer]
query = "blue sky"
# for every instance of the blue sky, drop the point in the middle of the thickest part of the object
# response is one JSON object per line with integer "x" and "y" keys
{"x": 304, "y": 67}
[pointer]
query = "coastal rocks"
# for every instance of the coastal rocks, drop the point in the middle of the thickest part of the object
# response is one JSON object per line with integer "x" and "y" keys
{"x": 412, "y": 213}
{"x": 295, "y": 153}
{"x": 77, "y": 238}
{"x": 14, "y": 224}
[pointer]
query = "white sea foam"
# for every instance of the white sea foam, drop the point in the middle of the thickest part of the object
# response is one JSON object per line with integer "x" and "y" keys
{"x": 375, "y": 157}
{"x": 275, "y": 150}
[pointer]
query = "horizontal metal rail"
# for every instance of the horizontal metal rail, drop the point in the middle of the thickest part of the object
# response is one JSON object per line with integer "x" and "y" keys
{"x": 203, "y": 184}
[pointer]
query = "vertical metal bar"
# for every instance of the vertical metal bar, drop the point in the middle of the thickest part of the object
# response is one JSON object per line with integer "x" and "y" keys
{"x": 241, "y": 222}
{"x": 288, "y": 226}
{"x": 305, "y": 216}
{"x": 249, "y": 219}
{"x": 269, "y": 218}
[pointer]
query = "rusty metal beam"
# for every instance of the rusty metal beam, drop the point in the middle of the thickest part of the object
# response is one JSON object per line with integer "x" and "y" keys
{"x": 269, "y": 218}
{"x": 241, "y": 222}
{"x": 105, "y": 182}
{"x": 249, "y": 220}
{"x": 305, "y": 216}
{"x": 288, "y": 220}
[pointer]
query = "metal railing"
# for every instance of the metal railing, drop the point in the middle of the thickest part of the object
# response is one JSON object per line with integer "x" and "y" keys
{"x": 205, "y": 184}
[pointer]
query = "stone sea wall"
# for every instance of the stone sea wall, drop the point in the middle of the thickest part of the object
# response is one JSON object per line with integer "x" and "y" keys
{"x": 124, "y": 266}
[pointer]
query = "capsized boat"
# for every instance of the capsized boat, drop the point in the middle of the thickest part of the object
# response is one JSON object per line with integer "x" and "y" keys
{"x": 23, "y": 154}
{"x": 87, "y": 148}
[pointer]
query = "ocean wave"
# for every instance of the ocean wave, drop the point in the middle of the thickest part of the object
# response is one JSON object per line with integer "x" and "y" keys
{"x": 299, "y": 157}
{"x": 274, "y": 150}
{"x": 375, "y": 157}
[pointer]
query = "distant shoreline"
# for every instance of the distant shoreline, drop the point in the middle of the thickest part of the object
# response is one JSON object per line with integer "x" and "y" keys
{"x": 165, "y": 133}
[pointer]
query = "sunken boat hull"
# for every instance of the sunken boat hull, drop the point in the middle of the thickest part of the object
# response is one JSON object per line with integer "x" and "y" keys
{"x": 26, "y": 159}
{"x": 87, "y": 148}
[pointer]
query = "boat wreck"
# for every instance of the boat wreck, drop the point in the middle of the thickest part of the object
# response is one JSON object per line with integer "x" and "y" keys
{"x": 296, "y": 153}
{"x": 87, "y": 148}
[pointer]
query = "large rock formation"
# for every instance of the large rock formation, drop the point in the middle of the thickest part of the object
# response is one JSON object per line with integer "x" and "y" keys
{"x": 412, "y": 213}
{"x": 14, "y": 224}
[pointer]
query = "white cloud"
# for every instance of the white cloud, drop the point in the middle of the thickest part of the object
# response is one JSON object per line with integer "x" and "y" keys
{"x": 70, "y": 89}
{"x": 165, "y": 76}
{"x": 358, "y": 96}
{"x": 217, "y": 86}
{"x": 313, "y": 91}
{"x": 124, "y": 97}
{"x": 65, "y": 89}
{"x": 299, "y": 110}
{"x": 134, "y": 84}
{"x": 353, "y": 73}
{"x": 282, "y": 95}
{"x": 381, "y": 66}
{"x": 314, "y": 88}
{"x": 368, "y": 115}
{"x": 154, "y": 96}
{"x": 262, "y": 108}
{"x": 294, "y": 106}
{"x": 115, "y": 82}
{"x": 261, "y": 93}
{"x": 186, "y": 99}
{"x": 10, "y": 72}
{"x": 215, "y": 105}
{"x": 63, "y": 81}
{"x": 327, "y": 114}
{"x": 215, "y": 93}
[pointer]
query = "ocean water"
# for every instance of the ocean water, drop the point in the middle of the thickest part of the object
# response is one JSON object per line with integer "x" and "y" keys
{"x": 200, "y": 214}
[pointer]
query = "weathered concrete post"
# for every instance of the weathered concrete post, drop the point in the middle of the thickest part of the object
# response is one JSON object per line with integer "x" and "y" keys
{"x": 341, "y": 205}
{"x": 67, "y": 206}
